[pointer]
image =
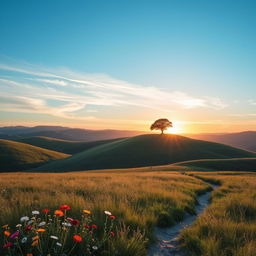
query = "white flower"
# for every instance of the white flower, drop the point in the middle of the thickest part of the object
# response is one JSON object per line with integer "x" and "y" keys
{"x": 18, "y": 225}
{"x": 95, "y": 248}
{"x": 54, "y": 237}
{"x": 24, "y": 218}
{"x": 59, "y": 244}
{"x": 30, "y": 222}
{"x": 24, "y": 240}
{"x": 35, "y": 212}
{"x": 43, "y": 223}
{"x": 66, "y": 224}
{"x": 107, "y": 213}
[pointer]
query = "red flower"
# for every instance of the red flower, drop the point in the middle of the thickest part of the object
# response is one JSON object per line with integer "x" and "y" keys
{"x": 112, "y": 217}
{"x": 112, "y": 233}
{"x": 75, "y": 222}
{"x": 45, "y": 210}
{"x": 65, "y": 207}
{"x": 93, "y": 226}
{"x": 87, "y": 226}
{"x": 28, "y": 228}
{"x": 9, "y": 244}
{"x": 77, "y": 238}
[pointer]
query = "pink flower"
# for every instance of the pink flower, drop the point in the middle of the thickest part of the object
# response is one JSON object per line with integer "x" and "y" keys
{"x": 9, "y": 244}
{"x": 15, "y": 234}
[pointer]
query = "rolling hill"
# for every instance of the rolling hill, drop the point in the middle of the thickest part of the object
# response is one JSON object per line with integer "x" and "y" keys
{"x": 245, "y": 140}
{"x": 16, "y": 156}
{"x": 64, "y": 146}
{"x": 235, "y": 164}
{"x": 144, "y": 150}
{"x": 64, "y": 133}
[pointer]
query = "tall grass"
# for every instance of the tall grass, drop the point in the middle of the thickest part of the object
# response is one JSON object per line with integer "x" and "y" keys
{"x": 139, "y": 200}
{"x": 228, "y": 226}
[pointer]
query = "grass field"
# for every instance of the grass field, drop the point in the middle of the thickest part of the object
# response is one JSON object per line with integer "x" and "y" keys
{"x": 141, "y": 200}
{"x": 144, "y": 150}
{"x": 228, "y": 226}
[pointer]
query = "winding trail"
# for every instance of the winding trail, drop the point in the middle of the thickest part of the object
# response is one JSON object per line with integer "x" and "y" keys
{"x": 168, "y": 238}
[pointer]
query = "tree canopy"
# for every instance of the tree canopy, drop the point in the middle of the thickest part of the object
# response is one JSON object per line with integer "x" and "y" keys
{"x": 161, "y": 124}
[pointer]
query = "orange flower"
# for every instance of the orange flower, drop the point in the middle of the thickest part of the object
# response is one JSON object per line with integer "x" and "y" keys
{"x": 41, "y": 230}
{"x": 59, "y": 213}
{"x": 35, "y": 238}
{"x": 77, "y": 238}
{"x": 7, "y": 233}
{"x": 35, "y": 243}
{"x": 5, "y": 226}
{"x": 87, "y": 212}
{"x": 29, "y": 254}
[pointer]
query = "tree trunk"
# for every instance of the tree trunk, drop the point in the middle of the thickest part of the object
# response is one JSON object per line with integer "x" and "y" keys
{"x": 162, "y": 131}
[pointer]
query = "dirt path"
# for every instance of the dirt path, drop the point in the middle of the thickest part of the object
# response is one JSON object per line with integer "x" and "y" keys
{"x": 168, "y": 243}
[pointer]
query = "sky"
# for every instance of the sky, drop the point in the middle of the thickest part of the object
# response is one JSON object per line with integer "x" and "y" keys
{"x": 122, "y": 64}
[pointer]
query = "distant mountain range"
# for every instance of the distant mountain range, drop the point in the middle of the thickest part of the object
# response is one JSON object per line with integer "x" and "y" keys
{"x": 64, "y": 133}
{"x": 245, "y": 140}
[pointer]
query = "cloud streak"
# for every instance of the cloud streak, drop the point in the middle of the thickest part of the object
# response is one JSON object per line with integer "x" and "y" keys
{"x": 64, "y": 93}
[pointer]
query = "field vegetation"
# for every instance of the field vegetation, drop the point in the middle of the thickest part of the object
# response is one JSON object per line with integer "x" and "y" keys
{"x": 228, "y": 226}
{"x": 139, "y": 200}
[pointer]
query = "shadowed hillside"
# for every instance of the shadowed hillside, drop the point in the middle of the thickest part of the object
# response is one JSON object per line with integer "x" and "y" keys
{"x": 64, "y": 146}
{"x": 236, "y": 164}
{"x": 16, "y": 156}
{"x": 144, "y": 150}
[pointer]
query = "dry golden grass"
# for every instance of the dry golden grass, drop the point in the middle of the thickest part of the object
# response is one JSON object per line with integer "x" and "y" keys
{"x": 139, "y": 199}
{"x": 228, "y": 226}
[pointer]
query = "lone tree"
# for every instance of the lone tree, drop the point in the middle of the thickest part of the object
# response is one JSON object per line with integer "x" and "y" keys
{"x": 161, "y": 124}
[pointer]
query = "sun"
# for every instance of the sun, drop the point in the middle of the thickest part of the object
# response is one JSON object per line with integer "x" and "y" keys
{"x": 174, "y": 130}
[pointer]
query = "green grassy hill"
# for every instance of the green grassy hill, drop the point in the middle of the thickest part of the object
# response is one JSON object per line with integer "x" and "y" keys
{"x": 144, "y": 150}
{"x": 16, "y": 156}
{"x": 235, "y": 164}
{"x": 64, "y": 146}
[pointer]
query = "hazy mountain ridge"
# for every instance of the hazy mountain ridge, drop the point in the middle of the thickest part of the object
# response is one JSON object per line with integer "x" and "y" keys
{"x": 245, "y": 140}
{"x": 64, "y": 133}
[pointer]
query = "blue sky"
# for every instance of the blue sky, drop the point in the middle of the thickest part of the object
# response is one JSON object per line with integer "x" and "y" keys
{"x": 121, "y": 64}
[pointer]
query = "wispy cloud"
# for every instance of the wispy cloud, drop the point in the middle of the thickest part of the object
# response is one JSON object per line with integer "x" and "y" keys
{"x": 29, "y": 88}
{"x": 252, "y": 102}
